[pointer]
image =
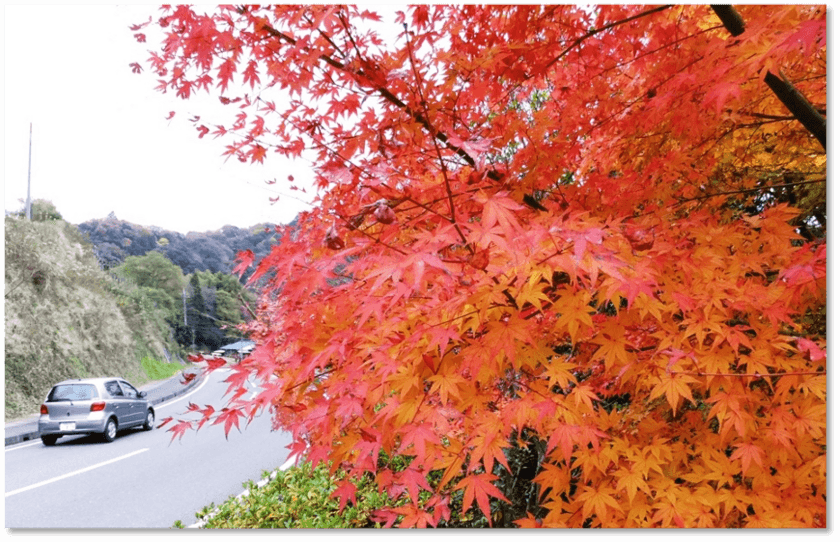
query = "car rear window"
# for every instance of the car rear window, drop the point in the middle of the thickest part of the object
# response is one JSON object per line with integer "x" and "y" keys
{"x": 72, "y": 392}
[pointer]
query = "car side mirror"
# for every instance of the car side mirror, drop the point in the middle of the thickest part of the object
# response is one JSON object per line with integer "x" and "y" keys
{"x": 142, "y": 394}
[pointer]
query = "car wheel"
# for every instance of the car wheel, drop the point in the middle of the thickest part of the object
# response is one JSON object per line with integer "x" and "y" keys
{"x": 49, "y": 440}
{"x": 150, "y": 421}
{"x": 110, "y": 430}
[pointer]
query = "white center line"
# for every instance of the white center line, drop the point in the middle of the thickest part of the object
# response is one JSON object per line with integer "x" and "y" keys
{"x": 86, "y": 469}
{"x": 12, "y": 449}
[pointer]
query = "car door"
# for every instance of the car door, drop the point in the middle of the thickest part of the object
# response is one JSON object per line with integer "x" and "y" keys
{"x": 118, "y": 403}
{"x": 136, "y": 405}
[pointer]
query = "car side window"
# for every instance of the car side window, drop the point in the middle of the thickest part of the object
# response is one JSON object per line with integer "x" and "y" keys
{"x": 129, "y": 390}
{"x": 113, "y": 388}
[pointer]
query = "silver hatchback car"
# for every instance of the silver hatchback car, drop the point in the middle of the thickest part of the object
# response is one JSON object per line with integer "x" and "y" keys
{"x": 93, "y": 406}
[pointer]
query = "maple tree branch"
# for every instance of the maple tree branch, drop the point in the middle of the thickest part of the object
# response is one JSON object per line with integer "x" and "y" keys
{"x": 443, "y": 167}
{"x": 468, "y": 192}
{"x": 349, "y": 34}
{"x": 653, "y": 51}
{"x": 366, "y": 234}
{"x": 466, "y": 314}
{"x": 730, "y": 18}
{"x": 771, "y": 117}
{"x": 312, "y": 381}
{"x": 426, "y": 208}
{"x": 602, "y": 29}
{"x": 750, "y": 375}
{"x": 594, "y": 32}
{"x": 327, "y": 37}
{"x": 748, "y": 190}
{"x": 784, "y": 90}
{"x": 248, "y": 307}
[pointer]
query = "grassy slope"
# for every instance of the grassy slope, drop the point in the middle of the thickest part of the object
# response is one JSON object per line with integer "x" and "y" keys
{"x": 66, "y": 318}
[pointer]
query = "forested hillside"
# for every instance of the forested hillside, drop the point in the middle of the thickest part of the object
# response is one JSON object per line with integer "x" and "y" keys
{"x": 114, "y": 240}
{"x": 204, "y": 309}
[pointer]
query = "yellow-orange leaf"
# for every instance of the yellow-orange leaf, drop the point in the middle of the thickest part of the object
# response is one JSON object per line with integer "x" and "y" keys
{"x": 674, "y": 386}
{"x": 597, "y": 501}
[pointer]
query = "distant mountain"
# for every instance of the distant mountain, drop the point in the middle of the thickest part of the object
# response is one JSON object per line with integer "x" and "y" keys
{"x": 113, "y": 240}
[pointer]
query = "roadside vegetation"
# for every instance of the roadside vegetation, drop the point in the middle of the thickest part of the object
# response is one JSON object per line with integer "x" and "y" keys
{"x": 297, "y": 498}
{"x": 307, "y": 497}
{"x": 156, "y": 369}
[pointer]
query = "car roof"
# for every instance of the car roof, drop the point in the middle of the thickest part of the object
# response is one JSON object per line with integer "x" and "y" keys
{"x": 98, "y": 380}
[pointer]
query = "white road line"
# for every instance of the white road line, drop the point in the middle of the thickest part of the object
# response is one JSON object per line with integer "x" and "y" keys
{"x": 68, "y": 475}
{"x": 12, "y": 449}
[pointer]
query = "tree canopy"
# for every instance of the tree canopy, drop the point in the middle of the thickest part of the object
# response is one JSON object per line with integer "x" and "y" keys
{"x": 594, "y": 234}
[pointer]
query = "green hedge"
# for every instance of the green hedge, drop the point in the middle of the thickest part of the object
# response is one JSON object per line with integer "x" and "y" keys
{"x": 297, "y": 498}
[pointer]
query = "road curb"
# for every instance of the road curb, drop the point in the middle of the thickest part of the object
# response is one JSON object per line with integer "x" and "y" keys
{"x": 187, "y": 387}
{"x": 34, "y": 434}
{"x": 23, "y": 437}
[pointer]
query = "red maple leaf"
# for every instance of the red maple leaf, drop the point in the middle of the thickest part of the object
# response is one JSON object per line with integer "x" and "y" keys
{"x": 257, "y": 153}
{"x": 244, "y": 260}
{"x": 815, "y": 353}
{"x": 345, "y": 491}
{"x": 230, "y": 417}
{"x": 479, "y": 488}
{"x": 179, "y": 428}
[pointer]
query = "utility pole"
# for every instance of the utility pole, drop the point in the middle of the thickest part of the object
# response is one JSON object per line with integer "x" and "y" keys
{"x": 29, "y": 178}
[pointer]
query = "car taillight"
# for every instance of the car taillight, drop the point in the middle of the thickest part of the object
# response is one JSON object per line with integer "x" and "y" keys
{"x": 44, "y": 409}
{"x": 96, "y": 407}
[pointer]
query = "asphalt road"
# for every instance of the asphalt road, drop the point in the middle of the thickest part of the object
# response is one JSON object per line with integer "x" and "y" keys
{"x": 141, "y": 480}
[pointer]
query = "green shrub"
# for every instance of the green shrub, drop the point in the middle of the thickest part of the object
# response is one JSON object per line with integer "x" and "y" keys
{"x": 298, "y": 498}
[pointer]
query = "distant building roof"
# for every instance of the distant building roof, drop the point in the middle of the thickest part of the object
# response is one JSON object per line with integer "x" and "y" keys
{"x": 238, "y": 345}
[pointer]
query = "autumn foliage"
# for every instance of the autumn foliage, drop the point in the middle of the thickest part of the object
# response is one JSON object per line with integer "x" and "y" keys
{"x": 569, "y": 262}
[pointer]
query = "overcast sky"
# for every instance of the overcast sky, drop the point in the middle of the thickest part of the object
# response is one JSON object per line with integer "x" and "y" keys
{"x": 100, "y": 139}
